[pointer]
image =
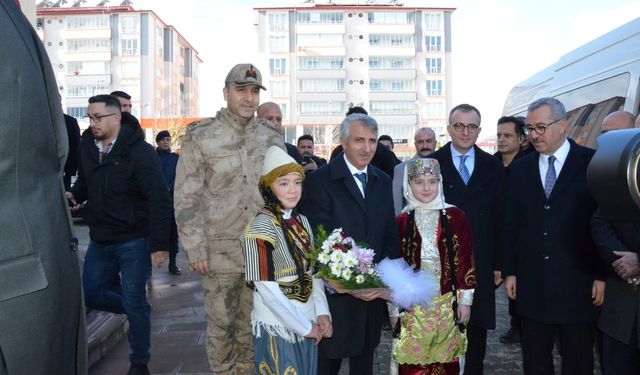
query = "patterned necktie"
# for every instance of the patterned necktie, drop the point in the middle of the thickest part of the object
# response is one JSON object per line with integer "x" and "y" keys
{"x": 363, "y": 180}
{"x": 462, "y": 169}
{"x": 550, "y": 178}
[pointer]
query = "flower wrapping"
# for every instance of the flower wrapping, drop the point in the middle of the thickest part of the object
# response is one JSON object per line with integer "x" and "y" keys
{"x": 345, "y": 265}
{"x": 408, "y": 287}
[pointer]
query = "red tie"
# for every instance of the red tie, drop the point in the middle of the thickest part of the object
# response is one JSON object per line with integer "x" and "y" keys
{"x": 18, "y": 4}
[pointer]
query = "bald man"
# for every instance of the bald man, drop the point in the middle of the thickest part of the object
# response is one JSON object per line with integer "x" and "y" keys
{"x": 618, "y": 120}
{"x": 271, "y": 111}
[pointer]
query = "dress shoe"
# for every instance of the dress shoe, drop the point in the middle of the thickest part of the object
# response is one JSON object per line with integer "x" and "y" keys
{"x": 174, "y": 269}
{"x": 512, "y": 336}
{"x": 138, "y": 369}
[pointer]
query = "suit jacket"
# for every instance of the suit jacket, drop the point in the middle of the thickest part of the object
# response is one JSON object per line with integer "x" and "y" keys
{"x": 547, "y": 241}
{"x": 481, "y": 200}
{"x": 331, "y": 198}
{"x": 621, "y": 310}
{"x": 41, "y": 309}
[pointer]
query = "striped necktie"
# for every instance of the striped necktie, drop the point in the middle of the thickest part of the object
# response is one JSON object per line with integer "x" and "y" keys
{"x": 462, "y": 169}
{"x": 550, "y": 178}
{"x": 363, "y": 180}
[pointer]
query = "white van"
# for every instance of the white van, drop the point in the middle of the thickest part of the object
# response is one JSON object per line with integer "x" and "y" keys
{"x": 592, "y": 81}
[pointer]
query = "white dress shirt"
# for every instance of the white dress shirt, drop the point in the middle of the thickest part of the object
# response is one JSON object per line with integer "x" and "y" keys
{"x": 561, "y": 156}
{"x": 355, "y": 170}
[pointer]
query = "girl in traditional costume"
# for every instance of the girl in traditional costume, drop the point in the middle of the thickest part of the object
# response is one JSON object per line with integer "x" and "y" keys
{"x": 290, "y": 313}
{"x": 431, "y": 340}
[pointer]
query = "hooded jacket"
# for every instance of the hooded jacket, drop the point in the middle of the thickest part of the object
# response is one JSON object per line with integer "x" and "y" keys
{"x": 127, "y": 196}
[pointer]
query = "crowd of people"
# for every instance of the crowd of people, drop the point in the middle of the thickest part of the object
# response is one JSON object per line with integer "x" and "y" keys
{"x": 245, "y": 206}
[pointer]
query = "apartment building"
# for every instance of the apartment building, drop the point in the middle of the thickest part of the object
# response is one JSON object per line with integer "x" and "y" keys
{"x": 99, "y": 49}
{"x": 394, "y": 61}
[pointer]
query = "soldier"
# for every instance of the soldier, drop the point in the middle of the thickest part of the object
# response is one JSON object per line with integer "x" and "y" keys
{"x": 216, "y": 195}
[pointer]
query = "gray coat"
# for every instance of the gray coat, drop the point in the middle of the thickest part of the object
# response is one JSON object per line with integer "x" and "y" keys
{"x": 41, "y": 310}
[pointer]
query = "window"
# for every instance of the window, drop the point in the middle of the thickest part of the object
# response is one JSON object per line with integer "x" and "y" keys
{"x": 321, "y": 40}
{"x": 88, "y": 45}
{"x": 321, "y": 85}
{"x": 77, "y": 112}
{"x": 388, "y": 62}
{"x": 434, "y": 87}
{"x": 277, "y": 21}
{"x": 434, "y": 65}
{"x": 130, "y": 69}
{"x": 278, "y": 66}
{"x": 129, "y": 46}
{"x": 320, "y": 17}
{"x": 391, "y": 85}
{"x": 129, "y": 24}
{"x": 392, "y": 108}
{"x": 79, "y": 91}
{"x": 433, "y": 21}
{"x": 159, "y": 41}
{"x": 433, "y": 43}
{"x": 278, "y": 44}
{"x": 40, "y": 22}
{"x": 320, "y": 108}
{"x": 320, "y": 62}
{"x": 391, "y": 40}
{"x": 278, "y": 88}
{"x": 283, "y": 109}
{"x": 87, "y": 22}
{"x": 434, "y": 110}
{"x": 88, "y": 67}
{"x": 392, "y": 18}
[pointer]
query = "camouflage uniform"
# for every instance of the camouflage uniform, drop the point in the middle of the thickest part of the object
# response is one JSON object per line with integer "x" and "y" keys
{"x": 216, "y": 195}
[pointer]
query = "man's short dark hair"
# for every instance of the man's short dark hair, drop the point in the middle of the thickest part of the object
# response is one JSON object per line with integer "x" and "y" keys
{"x": 519, "y": 123}
{"x": 108, "y": 100}
{"x": 121, "y": 94}
{"x": 464, "y": 108}
{"x": 307, "y": 137}
{"x": 356, "y": 109}
{"x": 385, "y": 137}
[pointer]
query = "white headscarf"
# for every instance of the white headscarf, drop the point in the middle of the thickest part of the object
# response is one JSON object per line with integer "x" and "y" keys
{"x": 422, "y": 167}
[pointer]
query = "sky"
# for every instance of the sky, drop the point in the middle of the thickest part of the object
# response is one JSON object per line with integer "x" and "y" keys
{"x": 496, "y": 43}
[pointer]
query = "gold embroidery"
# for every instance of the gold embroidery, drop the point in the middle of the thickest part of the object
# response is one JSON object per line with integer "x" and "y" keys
{"x": 295, "y": 290}
{"x": 264, "y": 368}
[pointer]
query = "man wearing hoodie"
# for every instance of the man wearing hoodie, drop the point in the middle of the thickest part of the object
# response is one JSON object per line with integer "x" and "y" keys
{"x": 128, "y": 212}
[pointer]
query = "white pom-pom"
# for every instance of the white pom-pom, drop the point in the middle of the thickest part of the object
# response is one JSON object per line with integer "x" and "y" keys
{"x": 408, "y": 287}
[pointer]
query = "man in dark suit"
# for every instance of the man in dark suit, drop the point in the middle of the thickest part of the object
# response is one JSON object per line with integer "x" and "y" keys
{"x": 550, "y": 263}
{"x": 349, "y": 193}
{"x": 42, "y": 328}
{"x": 618, "y": 243}
{"x": 473, "y": 181}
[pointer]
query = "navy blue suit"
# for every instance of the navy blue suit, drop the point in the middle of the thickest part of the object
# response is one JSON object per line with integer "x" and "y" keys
{"x": 331, "y": 198}
{"x": 548, "y": 248}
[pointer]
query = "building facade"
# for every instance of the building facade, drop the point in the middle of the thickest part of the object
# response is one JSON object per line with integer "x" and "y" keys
{"x": 392, "y": 60}
{"x": 98, "y": 49}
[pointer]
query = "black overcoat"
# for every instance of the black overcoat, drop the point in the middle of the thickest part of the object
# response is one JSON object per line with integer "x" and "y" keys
{"x": 482, "y": 201}
{"x": 547, "y": 241}
{"x": 331, "y": 198}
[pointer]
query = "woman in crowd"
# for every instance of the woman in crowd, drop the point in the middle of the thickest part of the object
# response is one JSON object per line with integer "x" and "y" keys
{"x": 290, "y": 313}
{"x": 431, "y": 340}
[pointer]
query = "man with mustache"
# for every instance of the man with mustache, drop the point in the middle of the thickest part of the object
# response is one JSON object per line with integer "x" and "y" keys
{"x": 424, "y": 139}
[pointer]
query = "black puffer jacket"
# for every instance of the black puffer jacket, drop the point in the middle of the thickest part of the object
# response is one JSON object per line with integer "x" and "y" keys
{"x": 127, "y": 196}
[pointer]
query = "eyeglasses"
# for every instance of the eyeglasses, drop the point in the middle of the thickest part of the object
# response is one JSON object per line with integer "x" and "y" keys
{"x": 460, "y": 127}
{"x": 97, "y": 118}
{"x": 539, "y": 128}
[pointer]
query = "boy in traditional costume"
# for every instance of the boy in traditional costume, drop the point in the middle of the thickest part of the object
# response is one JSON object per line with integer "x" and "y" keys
{"x": 290, "y": 313}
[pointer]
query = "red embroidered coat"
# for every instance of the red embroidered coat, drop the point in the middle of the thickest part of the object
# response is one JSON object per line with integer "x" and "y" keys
{"x": 463, "y": 258}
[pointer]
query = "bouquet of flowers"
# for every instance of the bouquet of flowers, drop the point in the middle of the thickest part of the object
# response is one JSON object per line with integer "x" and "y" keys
{"x": 346, "y": 266}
